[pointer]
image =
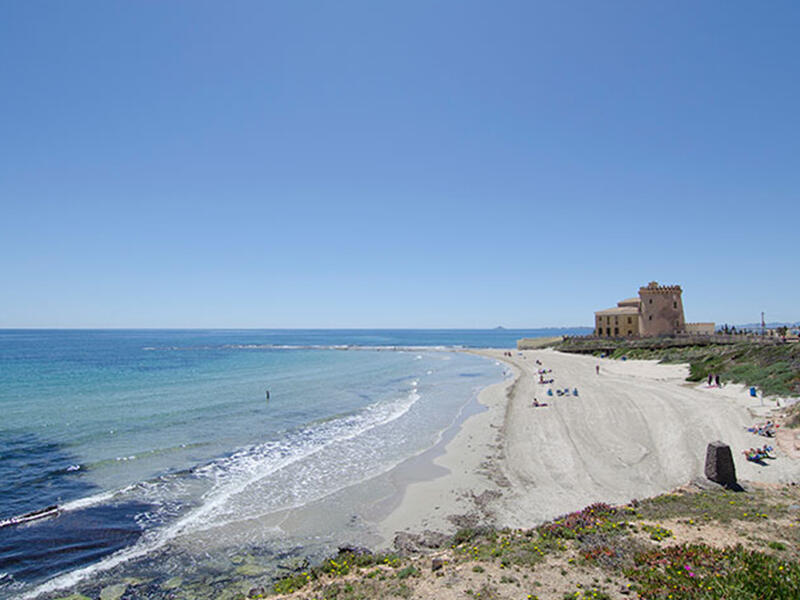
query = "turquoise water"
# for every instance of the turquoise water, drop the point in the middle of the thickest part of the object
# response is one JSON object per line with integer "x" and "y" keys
{"x": 147, "y": 437}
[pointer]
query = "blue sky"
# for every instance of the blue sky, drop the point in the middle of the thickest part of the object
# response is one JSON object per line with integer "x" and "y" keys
{"x": 405, "y": 164}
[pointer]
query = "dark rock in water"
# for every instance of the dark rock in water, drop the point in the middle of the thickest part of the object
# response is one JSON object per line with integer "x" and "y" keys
{"x": 719, "y": 463}
{"x": 437, "y": 564}
{"x": 411, "y": 543}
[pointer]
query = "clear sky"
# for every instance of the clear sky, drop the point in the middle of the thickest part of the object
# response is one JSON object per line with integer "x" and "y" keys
{"x": 395, "y": 164}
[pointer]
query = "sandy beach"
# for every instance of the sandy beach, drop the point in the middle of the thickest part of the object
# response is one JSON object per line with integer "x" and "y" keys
{"x": 634, "y": 430}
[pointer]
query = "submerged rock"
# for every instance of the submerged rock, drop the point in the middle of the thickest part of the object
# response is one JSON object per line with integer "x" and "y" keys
{"x": 172, "y": 583}
{"x": 251, "y": 570}
{"x": 113, "y": 592}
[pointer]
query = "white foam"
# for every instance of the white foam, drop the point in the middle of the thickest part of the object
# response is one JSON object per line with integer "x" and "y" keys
{"x": 398, "y": 348}
{"x": 230, "y": 477}
{"x": 94, "y": 500}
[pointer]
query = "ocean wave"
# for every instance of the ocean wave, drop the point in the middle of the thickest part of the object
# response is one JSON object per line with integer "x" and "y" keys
{"x": 228, "y": 477}
{"x": 438, "y": 348}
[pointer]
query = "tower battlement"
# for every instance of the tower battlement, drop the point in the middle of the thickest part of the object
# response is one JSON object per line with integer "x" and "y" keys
{"x": 654, "y": 288}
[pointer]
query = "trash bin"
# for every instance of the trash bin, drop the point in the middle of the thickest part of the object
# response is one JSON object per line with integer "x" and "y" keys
{"x": 753, "y": 392}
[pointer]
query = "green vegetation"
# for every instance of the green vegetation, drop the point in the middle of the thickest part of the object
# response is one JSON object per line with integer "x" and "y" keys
{"x": 659, "y": 548}
{"x": 632, "y": 552}
{"x": 713, "y": 506}
{"x": 339, "y": 567}
{"x": 773, "y": 368}
{"x": 700, "y": 572}
{"x": 657, "y": 533}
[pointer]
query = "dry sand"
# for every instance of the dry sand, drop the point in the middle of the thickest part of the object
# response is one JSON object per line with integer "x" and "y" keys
{"x": 637, "y": 429}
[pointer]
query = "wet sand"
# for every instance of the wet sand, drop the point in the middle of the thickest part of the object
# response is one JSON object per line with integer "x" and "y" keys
{"x": 635, "y": 430}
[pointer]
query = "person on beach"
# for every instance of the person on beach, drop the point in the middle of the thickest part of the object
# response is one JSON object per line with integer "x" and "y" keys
{"x": 597, "y": 369}
{"x": 710, "y": 379}
{"x": 716, "y": 380}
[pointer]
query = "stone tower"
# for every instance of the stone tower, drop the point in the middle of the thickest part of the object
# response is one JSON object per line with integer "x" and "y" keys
{"x": 661, "y": 310}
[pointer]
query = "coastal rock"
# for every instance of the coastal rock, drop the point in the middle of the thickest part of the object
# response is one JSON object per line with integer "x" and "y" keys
{"x": 719, "y": 464}
{"x": 412, "y": 543}
{"x": 355, "y": 550}
{"x": 113, "y": 592}
{"x": 296, "y": 564}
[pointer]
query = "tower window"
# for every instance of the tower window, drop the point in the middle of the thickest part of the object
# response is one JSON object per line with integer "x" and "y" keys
{"x": 674, "y": 305}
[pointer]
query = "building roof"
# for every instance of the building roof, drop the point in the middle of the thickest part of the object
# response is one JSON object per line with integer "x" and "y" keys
{"x": 619, "y": 310}
{"x": 630, "y": 302}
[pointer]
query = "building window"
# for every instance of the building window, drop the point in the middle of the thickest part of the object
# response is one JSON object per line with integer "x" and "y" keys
{"x": 629, "y": 320}
{"x": 674, "y": 305}
{"x": 616, "y": 330}
{"x": 616, "y": 320}
{"x": 630, "y": 332}
{"x": 651, "y": 300}
{"x": 608, "y": 330}
{"x": 650, "y": 318}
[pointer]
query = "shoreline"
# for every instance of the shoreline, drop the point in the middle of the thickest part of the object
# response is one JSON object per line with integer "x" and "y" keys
{"x": 465, "y": 462}
{"x": 636, "y": 430}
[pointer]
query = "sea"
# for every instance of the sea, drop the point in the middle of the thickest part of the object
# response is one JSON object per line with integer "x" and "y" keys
{"x": 191, "y": 454}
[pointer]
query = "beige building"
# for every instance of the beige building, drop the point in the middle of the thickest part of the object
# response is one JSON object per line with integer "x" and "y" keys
{"x": 657, "y": 311}
{"x": 700, "y": 328}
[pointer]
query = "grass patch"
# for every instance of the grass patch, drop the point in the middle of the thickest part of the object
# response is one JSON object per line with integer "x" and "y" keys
{"x": 711, "y": 505}
{"x": 701, "y": 572}
{"x": 773, "y": 368}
